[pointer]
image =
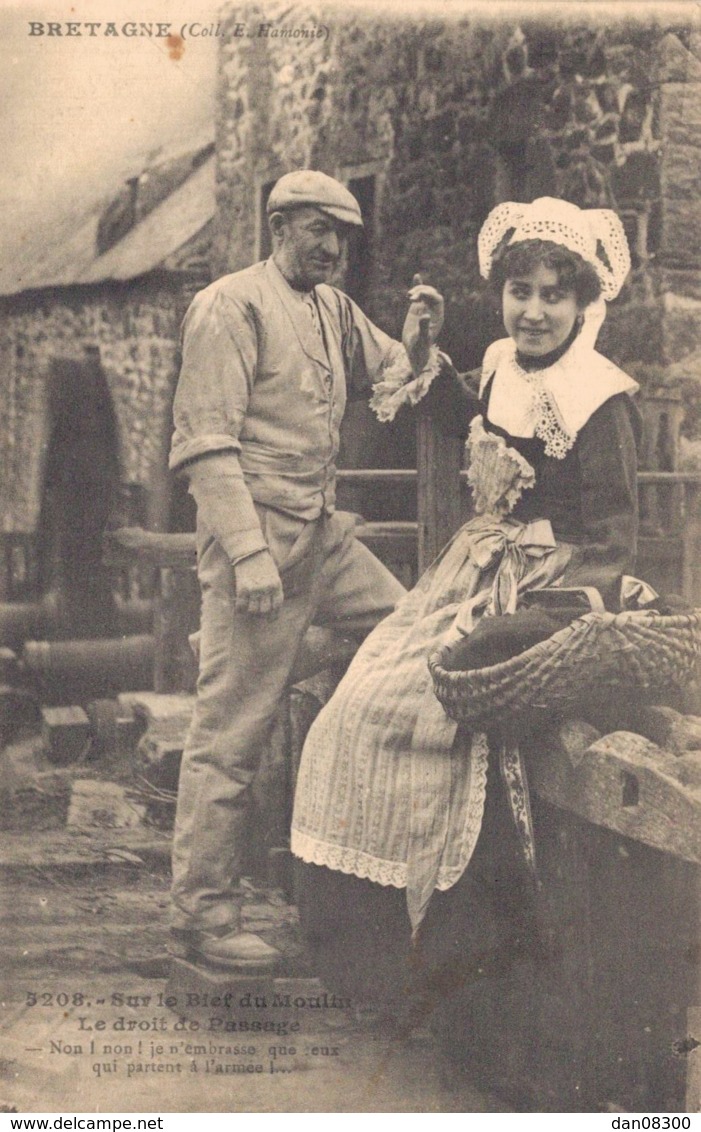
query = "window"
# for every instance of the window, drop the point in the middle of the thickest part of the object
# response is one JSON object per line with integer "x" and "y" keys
{"x": 357, "y": 274}
{"x": 118, "y": 217}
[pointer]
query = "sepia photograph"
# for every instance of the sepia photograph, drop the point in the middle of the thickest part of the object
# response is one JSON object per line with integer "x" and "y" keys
{"x": 350, "y": 557}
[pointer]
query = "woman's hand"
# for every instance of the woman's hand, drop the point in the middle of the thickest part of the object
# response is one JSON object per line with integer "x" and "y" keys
{"x": 422, "y": 324}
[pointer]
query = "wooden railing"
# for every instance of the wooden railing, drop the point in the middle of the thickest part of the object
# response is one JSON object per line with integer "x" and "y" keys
{"x": 670, "y": 511}
{"x": 670, "y": 545}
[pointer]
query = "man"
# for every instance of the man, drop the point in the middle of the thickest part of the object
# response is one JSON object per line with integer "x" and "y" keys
{"x": 267, "y": 354}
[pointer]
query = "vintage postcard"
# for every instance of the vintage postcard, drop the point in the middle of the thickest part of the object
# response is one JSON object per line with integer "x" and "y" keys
{"x": 350, "y": 557}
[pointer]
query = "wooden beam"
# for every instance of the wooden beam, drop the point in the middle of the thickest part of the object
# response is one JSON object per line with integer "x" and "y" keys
{"x": 691, "y": 546}
{"x": 131, "y": 545}
{"x": 377, "y": 475}
{"x": 438, "y": 503}
{"x": 177, "y": 615}
{"x": 625, "y": 783}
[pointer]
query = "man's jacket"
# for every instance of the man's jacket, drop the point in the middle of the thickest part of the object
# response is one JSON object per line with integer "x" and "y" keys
{"x": 265, "y": 386}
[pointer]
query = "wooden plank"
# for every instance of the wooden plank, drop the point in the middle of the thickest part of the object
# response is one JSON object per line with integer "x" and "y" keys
{"x": 178, "y": 551}
{"x": 627, "y": 784}
{"x": 177, "y": 615}
{"x": 63, "y": 856}
{"x": 693, "y": 1055}
{"x": 133, "y": 544}
{"x": 691, "y": 478}
{"x": 691, "y": 553}
{"x": 643, "y": 924}
{"x": 688, "y": 933}
{"x": 403, "y": 533}
{"x": 559, "y": 1038}
{"x": 664, "y": 478}
{"x": 377, "y": 475}
{"x": 438, "y": 504}
{"x": 395, "y": 544}
{"x": 614, "y": 1012}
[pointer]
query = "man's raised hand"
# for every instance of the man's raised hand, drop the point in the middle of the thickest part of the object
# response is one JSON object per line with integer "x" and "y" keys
{"x": 422, "y": 324}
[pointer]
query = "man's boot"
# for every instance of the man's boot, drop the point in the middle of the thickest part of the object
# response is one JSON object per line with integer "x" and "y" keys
{"x": 228, "y": 948}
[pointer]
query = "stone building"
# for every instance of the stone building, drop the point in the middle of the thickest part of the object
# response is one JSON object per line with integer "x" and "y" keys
{"x": 89, "y": 331}
{"x": 433, "y": 121}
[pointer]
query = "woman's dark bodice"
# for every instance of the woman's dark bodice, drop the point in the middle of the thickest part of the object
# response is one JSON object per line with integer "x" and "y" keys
{"x": 589, "y": 496}
{"x": 557, "y": 492}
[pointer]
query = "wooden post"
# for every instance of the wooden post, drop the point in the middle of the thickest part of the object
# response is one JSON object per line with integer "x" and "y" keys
{"x": 176, "y": 617}
{"x": 4, "y": 568}
{"x": 438, "y": 502}
{"x": 692, "y": 1050}
{"x": 177, "y": 603}
{"x": 662, "y": 415}
{"x": 612, "y": 1019}
{"x": 691, "y": 548}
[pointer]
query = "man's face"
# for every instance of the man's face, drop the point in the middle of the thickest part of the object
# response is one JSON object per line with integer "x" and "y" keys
{"x": 308, "y": 246}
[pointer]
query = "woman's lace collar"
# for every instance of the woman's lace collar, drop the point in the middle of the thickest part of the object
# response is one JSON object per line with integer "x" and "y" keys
{"x": 556, "y": 402}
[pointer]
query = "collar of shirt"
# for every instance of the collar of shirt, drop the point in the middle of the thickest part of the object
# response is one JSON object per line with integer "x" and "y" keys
{"x": 309, "y": 302}
{"x": 300, "y": 296}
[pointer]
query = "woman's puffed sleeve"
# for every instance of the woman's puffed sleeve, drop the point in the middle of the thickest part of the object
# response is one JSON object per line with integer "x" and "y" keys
{"x": 607, "y": 455}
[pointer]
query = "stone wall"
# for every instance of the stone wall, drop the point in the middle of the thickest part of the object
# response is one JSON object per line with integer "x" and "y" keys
{"x": 135, "y": 327}
{"x": 452, "y": 116}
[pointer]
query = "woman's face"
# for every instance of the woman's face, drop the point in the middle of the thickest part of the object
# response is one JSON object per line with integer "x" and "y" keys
{"x": 538, "y": 312}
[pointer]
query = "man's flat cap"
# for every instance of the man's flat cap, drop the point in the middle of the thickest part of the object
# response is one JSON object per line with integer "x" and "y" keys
{"x": 310, "y": 188}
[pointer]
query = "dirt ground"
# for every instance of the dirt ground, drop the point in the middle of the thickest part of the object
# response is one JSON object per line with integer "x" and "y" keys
{"x": 90, "y": 1022}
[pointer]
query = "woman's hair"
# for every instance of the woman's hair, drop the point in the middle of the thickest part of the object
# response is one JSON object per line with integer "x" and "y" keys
{"x": 573, "y": 272}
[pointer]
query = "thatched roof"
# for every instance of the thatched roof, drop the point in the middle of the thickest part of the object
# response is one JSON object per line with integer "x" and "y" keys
{"x": 153, "y": 215}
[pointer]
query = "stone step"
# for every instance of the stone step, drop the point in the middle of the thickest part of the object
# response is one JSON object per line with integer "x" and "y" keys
{"x": 65, "y": 734}
{"x": 73, "y": 853}
{"x": 224, "y": 1003}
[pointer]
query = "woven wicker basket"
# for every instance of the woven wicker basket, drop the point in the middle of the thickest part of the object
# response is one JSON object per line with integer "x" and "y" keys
{"x": 637, "y": 651}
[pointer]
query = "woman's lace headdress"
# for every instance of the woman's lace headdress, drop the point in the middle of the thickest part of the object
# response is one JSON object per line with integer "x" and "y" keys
{"x": 596, "y": 234}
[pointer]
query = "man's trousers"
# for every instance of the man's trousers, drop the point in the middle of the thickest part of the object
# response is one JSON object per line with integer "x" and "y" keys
{"x": 329, "y": 578}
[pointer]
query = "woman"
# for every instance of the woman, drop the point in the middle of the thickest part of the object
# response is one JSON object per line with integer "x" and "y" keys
{"x": 405, "y": 827}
